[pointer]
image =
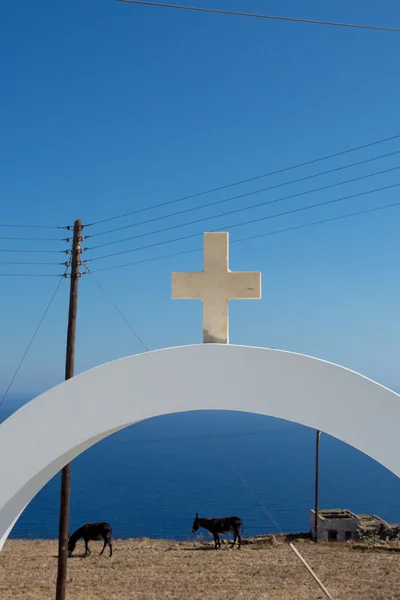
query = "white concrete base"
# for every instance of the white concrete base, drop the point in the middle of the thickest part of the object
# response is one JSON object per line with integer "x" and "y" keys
{"x": 54, "y": 428}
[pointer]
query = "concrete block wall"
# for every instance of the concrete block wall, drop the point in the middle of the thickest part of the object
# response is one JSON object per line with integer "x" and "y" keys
{"x": 334, "y": 528}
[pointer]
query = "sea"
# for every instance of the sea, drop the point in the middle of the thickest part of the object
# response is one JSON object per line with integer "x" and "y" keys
{"x": 150, "y": 479}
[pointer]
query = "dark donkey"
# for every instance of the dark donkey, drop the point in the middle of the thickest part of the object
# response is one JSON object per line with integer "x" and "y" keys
{"x": 220, "y": 525}
{"x": 91, "y": 531}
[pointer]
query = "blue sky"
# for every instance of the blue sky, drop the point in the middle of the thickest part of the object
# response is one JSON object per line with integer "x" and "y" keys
{"x": 108, "y": 108}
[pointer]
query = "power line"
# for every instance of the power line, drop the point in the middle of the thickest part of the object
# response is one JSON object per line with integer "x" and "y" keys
{"x": 31, "y": 340}
{"x": 250, "y": 222}
{"x": 242, "y": 209}
{"x": 243, "y": 181}
{"x": 245, "y": 195}
{"x": 232, "y": 464}
{"x": 18, "y": 250}
{"x": 253, "y": 237}
{"x": 30, "y": 275}
{"x": 116, "y": 308}
{"x": 11, "y": 262}
{"x": 19, "y": 226}
{"x": 34, "y": 239}
{"x": 260, "y": 16}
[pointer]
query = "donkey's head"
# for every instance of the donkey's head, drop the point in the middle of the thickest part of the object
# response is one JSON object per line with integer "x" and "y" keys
{"x": 196, "y": 524}
{"x": 71, "y": 546}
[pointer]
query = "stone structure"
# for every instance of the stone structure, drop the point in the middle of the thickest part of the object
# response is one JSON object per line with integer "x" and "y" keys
{"x": 374, "y": 529}
{"x": 342, "y": 525}
{"x": 215, "y": 286}
{"x": 335, "y": 525}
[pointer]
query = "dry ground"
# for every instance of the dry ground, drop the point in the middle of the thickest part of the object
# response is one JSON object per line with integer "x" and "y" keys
{"x": 152, "y": 570}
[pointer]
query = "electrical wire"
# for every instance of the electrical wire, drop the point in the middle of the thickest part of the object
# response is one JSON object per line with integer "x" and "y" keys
{"x": 19, "y": 226}
{"x": 217, "y": 202}
{"x": 32, "y": 340}
{"x": 259, "y": 16}
{"x": 243, "y": 181}
{"x": 11, "y": 262}
{"x": 249, "y": 222}
{"x": 33, "y": 239}
{"x": 253, "y": 237}
{"x": 116, "y": 307}
{"x": 17, "y": 251}
{"x": 245, "y": 482}
{"x": 30, "y": 275}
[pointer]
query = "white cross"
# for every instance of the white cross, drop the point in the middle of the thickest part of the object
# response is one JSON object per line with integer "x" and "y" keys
{"x": 215, "y": 286}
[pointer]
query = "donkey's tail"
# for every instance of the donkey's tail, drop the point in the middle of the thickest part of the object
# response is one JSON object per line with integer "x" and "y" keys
{"x": 109, "y": 533}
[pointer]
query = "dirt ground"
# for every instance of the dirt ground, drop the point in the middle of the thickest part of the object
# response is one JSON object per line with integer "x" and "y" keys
{"x": 151, "y": 570}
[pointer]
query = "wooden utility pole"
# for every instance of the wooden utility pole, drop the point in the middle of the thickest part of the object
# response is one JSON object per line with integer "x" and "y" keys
{"x": 316, "y": 486}
{"x": 69, "y": 372}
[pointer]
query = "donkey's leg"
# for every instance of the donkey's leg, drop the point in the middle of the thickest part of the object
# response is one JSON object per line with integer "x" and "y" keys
{"x": 234, "y": 538}
{"x": 239, "y": 537}
{"x": 110, "y": 546}
{"x": 87, "y": 551}
{"x": 104, "y": 545}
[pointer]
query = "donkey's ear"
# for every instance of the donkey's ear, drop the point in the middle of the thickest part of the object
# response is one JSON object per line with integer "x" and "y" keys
{"x": 197, "y": 515}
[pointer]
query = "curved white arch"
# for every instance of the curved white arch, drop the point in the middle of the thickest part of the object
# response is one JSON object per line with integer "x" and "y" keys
{"x": 54, "y": 428}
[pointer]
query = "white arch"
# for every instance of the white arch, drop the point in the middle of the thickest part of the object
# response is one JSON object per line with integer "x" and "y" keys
{"x": 54, "y": 428}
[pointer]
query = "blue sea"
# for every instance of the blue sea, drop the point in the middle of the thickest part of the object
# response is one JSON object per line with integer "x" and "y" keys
{"x": 150, "y": 479}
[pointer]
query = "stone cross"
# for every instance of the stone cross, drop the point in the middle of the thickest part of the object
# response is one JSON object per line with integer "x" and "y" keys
{"x": 215, "y": 286}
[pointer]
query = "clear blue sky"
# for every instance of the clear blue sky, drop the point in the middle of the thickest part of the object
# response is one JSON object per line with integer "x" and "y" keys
{"x": 109, "y": 107}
